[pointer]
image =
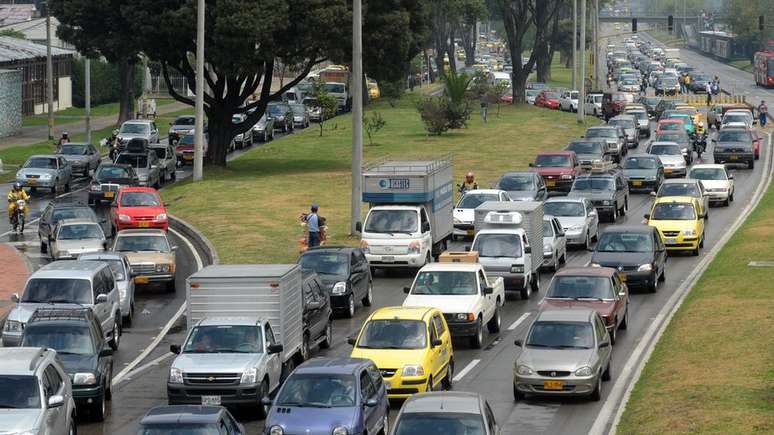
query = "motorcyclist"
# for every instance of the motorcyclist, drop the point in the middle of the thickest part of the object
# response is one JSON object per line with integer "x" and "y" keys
{"x": 62, "y": 140}
{"x": 14, "y": 195}
{"x": 469, "y": 183}
{"x": 112, "y": 143}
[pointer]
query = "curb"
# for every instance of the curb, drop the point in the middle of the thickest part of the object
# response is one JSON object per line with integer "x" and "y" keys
{"x": 199, "y": 240}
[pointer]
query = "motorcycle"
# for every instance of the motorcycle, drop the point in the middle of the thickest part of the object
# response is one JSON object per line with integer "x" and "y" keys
{"x": 19, "y": 216}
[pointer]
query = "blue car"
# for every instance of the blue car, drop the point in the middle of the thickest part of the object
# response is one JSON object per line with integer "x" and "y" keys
{"x": 330, "y": 396}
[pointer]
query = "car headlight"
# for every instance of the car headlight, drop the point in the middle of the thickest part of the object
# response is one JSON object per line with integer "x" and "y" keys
{"x": 249, "y": 376}
{"x": 276, "y": 430}
{"x": 584, "y": 371}
{"x": 84, "y": 379}
{"x": 45, "y": 176}
{"x": 124, "y": 218}
{"x": 175, "y": 376}
{"x": 414, "y": 247}
{"x": 652, "y": 178}
{"x": 161, "y": 217}
{"x": 464, "y": 316}
{"x": 566, "y": 177}
{"x": 13, "y": 326}
{"x": 162, "y": 268}
{"x": 413, "y": 370}
{"x": 19, "y": 175}
{"x": 524, "y": 370}
{"x": 517, "y": 268}
{"x": 339, "y": 288}
{"x": 340, "y": 430}
{"x": 594, "y": 265}
{"x": 547, "y": 249}
{"x": 94, "y": 187}
{"x": 645, "y": 268}
{"x": 607, "y": 202}
{"x": 689, "y": 232}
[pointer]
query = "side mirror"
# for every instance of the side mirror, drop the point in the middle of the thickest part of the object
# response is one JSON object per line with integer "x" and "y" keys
{"x": 406, "y": 290}
{"x": 646, "y": 215}
{"x": 426, "y": 227}
{"x": 621, "y": 293}
{"x": 527, "y": 249}
{"x": 488, "y": 290}
{"x": 436, "y": 342}
{"x": 604, "y": 344}
{"x": 371, "y": 403}
{"x": 274, "y": 348}
{"x": 15, "y": 297}
{"x": 531, "y": 165}
{"x": 351, "y": 341}
{"x": 174, "y": 248}
{"x": 653, "y": 194}
{"x": 266, "y": 401}
{"x": 359, "y": 227}
{"x": 106, "y": 352}
{"x": 102, "y": 298}
{"x": 55, "y": 401}
{"x": 467, "y": 248}
{"x": 518, "y": 343}
{"x": 593, "y": 213}
{"x": 174, "y": 348}
{"x": 730, "y": 176}
{"x": 314, "y": 305}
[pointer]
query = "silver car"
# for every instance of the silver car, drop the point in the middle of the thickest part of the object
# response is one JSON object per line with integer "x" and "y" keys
{"x": 671, "y": 157}
{"x": 167, "y": 161}
{"x": 37, "y": 395}
{"x": 83, "y": 157}
{"x": 567, "y": 353}
{"x": 457, "y": 412}
{"x": 578, "y": 217}
{"x": 122, "y": 271}
{"x": 630, "y": 127}
{"x": 138, "y": 128}
{"x": 45, "y": 171}
{"x": 300, "y": 115}
{"x": 554, "y": 243}
{"x": 73, "y": 237}
{"x": 146, "y": 165}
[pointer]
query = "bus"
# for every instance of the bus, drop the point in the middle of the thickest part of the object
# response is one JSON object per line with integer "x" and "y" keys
{"x": 764, "y": 68}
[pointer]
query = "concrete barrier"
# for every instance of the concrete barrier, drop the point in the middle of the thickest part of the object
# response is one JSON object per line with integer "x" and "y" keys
{"x": 202, "y": 244}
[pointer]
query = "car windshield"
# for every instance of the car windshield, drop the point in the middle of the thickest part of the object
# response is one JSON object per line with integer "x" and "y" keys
{"x": 580, "y": 287}
{"x": 585, "y": 147}
{"x": 225, "y": 339}
{"x": 640, "y": 163}
{"x": 276, "y": 109}
{"x": 638, "y": 114}
{"x": 112, "y": 172}
{"x": 665, "y": 150}
{"x": 735, "y": 117}
{"x": 625, "y": 242}
{"x": 687, "y": 119}
{"x": 71, "y": 213}
{"x": 498, "y": 245}
{"x": 318, "y": 391}
{"x": 673, "y": 211}
{"x": 19, "y": 392}
{"x": 708, "y": 174}
{"x": 392, "y": 221}
{"x": 74, "y": 149}
{"x": 733, "y": 136}
{"x": 116, "y": 266}
{"x": 393, "y": 334}
{"x": 64, "y": 339}
{"x": 439, "y": 423}
{"x": 601, "y": 132}
{"x": 185, "y": 120}
{"x": 161, "y": 152}
{"x": 445, "y": 283}
{"x": 298, "y": 109}
{"x": 186, "y": 140}
{"x": 623, "y": 123}
{"x": 325, "y": 263}
{"x": 553, "y": 161}
{"x": 564, "y": 208}
{"x": 57, "y": 290}
{"x": 670, "y": 126}
{"x": 679, "y": 189}
{"x": 618, "y": 97}
{"x": 80, "y": 232}
{"x": 552, "y": 95}
{"x": 672, "y": 137}
{"x": 135, "y": 160}
{"x": 334, "y": 88}
{"x": 667, "y": 81}
{"x": 561, "y": 335}
{"x": 532, "y": 92}
{"x": 630, "y": 82}
{"x": 135, "y": 129}
{"x": 516, "y": 182}
{"x": 473, "y": 200}
{"x": 140, "y": 199}
{"x": 236, "y": 119}
{"x": 594, "y": 184}
{"x": 137, "y": 243}
{"x": 179, "y": 429}
{"x": 41, "y": 163}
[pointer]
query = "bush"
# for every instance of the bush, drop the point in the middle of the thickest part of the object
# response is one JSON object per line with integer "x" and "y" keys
{"x": 373, "y": 123}
{"x": 392, "y": 91}
{"x": 434, "y": 112}
{"x": 105, "y": 87}
{"x": 457, "y": 114}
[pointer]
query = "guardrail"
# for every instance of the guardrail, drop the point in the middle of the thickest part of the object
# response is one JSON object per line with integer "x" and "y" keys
{"x": 701, "y": 99}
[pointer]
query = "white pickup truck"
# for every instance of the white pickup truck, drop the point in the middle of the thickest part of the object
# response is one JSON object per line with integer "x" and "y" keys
{"x": 467, "y": 298}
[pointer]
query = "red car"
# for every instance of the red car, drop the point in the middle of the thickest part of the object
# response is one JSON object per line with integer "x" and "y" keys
{"x": 547, "y": 98}
{"x": 757, "y": 141}
{"x": 598, "y": 288}
{"x": 558, "y": 169}
{"x": 139, "y": 207}
{"x": 185, "y": 149}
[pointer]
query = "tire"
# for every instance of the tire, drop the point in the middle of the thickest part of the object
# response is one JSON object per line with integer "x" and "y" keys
{"x": 477, "y": 340}
{"x": 67, "y": 187}
{"x": 306, "y": 348}
{"x": 625, "y": 207}
{"x": 43, "y": 247}
{"x": 536, "y": 283}
{"x": 695, "y": 252}
{"x": 97, "y": 410}
{"x": 517, "y": 395}
{"x": 613, "y": 334}
{"x": 587, "y": 243}
{"x": 73, "y": 429}
{"x": 526, "y": 292}
{"x": 614, "y": 214}
{"x": 326, "y": 344}
{"x": 108, "y": 390}
{"x": 53, "y": 189}
{"x": 173, "y": 176}
{"x": 563, "y": 258}
{"x": 350, "y": 307}
{"x": 751, "y": 164}
{"x": 606, "y": 375}
{"x": 169, "y": 286}
{"x": 129, "y": 318}
{"x": 596, "y": 395}
{"x": 430, "y": 387}
{"x": 731, "y": 197}
{"x": 727, "y": 202}
{"x": 116, "y": 340}
{"x": 701, "y": 242}
{"x": 625, "y": 323}
{"x": 653, "y": 286}
{"x": 493, "y": 325}
{"x": 263, "y": 391}
{"x": 369, "y": 297}
{"x": 448, "y": 380}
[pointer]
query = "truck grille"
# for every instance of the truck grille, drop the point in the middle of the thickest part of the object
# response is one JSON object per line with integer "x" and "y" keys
{"x": 212, "y": 378}
{"x": 143, "y": 268}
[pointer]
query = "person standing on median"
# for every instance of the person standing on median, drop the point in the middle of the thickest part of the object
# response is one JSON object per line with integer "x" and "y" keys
{"x": 708, "y": 88}
{"x": 313, "y": 227}
{"x": 763, "y": 113}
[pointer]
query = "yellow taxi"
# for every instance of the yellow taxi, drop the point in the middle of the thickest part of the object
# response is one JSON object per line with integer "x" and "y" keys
{"x": 680, "y": 220}
{"x": 373, "y": 89}
{"x": 411, "y": 346}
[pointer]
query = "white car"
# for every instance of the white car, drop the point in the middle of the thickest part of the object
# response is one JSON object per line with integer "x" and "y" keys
{"x": 671, "y": 156}
{"x": 579, "y": 219}
{"x": 464, "y": 212}
{"x": 717, "y": 182}
{"x": 737, "y": 118}
{"x": 554, "y": 243}
{"x": 593, "y": 104}
{"x": 73, "y": 237}
{"x": 568, "y": 101}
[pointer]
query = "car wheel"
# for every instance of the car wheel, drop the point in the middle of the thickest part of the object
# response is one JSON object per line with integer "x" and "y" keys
{"x": 563, "y": 258}
{"x": 662, "y": 278}
{"x": 614, "y": 214}
{"x": 116, "y": 339}
{"x": 596, "y": 395}
{"x": 526, "y": 292}
{"x": 369, "y": 297}
{"x": 108, "y": 382}
{"x": 67, "y": 187}
{"x": 731, "y": 197}
{"x": 263, "y": 409}
{"x": 430, "y": 387}
{"x": 448, "y": 380}
{"x": 127, "y": 320}
{"x": 587, "y": 242}
{"x": 701, "y": 242}
{"x": 328, "y": 341}
{"x": 517, "y": 395}
{"x": 613, "y": 333}
{"x": 73, "y": 430}
{"x": 695, "y": 252}
{"x": 751, "y": 164}
{"x": 625, "y": 322}
{"x": 43, "y": 247}
{"x": 53, "y": 189}
{"x": 350, "y": 306}
{"x": 306, "y": 348}
{"x": 625, "y": 207}
{"x": 606, "y": 375}
{"x": 727, "y": 202}
{"x": 536, "y": 283}
{"x": 478, "y": 337}
{"x": 98, "y": 410}
{"x": 493, "y": 325}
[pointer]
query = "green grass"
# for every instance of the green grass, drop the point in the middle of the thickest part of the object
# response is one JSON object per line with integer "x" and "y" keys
{"x": 76, "y": 114}
{"x": 744, "y": 65}
{"x": 713, "y": 370}
{"x": 666, "y": 38}
{"x": 250, "y": 209}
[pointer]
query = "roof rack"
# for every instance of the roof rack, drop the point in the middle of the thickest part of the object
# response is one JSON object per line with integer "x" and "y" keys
{"x": 42, "y": 314}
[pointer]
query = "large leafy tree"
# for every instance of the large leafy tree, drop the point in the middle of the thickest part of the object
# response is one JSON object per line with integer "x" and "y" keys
{"x": 471, "y": 11}
{"x": 100, "y": 28}
{"x": 244, "y": 39}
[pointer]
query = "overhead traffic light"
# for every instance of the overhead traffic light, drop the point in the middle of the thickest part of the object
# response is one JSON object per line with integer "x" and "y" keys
{"x": 634, "y": 25}
{"x": 670, "y": 23}
{"x": 761, "y": 24}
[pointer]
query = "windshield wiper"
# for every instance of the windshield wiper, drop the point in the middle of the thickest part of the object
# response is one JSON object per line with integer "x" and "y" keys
{"x": 6, "y": 406}
{"x": 589, "y": 297}
{"x": 537, "y": 345}
{"x": 567, "y": 346}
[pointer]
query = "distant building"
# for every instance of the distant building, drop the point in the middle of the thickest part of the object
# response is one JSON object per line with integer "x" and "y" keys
{"x": 16, "y": 13}
{"x": 30, "y": 58}
{"x": 10, "y": 102}
{"x": 35, "y": 30}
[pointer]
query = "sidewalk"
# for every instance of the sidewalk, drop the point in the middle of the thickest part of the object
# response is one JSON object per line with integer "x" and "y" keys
{"x": 39, "y": 133}
{"x": 14, "y": 273}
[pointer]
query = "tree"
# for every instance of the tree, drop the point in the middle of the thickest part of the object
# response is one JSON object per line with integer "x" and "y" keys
{"x": 455, "y": 91}
{"x": 324, "y": 101}
{"x": 243, "y": 41}
{"x": 444, "y": 15}
{"x": 372, "y": 124}
{"x": 12, "y": 33}
{"x": 544, "y": 17}
{"x": 100, "y": 28}
{"x": 742, "y": 17}
{"x": 517, "y": 17}
{"x": 471, "y": 12}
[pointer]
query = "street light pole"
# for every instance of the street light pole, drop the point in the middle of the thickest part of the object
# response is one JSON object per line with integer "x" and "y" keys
{"x": 87, "y": 95}
{"x": 199, "y": 123}
{"x": 49, "y": 77}
{"x": 357, "y": 112}
{"x": 595, "y": 50}
{"x": 582, "y": 96}
{"x": 574, "y": 44}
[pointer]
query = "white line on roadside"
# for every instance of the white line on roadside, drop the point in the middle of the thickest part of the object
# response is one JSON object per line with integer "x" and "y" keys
{"x": 144, "y": 367}
{"x": 518, "y": 321}
{"x": 145, "y": 352}
{"x": 466, "y": 370}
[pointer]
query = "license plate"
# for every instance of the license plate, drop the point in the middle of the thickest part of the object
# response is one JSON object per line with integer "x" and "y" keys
{"x": 469, "y": 232}
{"x": 667, "y": 171}
{"x": 141, "y": 280}
{"x": 143, "y": 224}
{"x": 187, "y": 157}
{"x": 110, "y": 194}
{"x": 550, "y": 183}
{"x": 636, "y": 183}
{"x": 670, "y": 241}
{"x": 32, "y": 181}
{"x": 553, "y": 385}
{"x": 211, "y": 400}
{"x": 622, "y": 276}
{"x": 733, "y": 157}
{"x": 388, "y": 258}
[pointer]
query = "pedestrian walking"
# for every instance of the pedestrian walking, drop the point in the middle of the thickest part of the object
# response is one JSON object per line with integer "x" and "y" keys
{"x": 484, "y": 107}
{"x": 687, "y": 83}
{"x": 763, "y": 113}
{"x": 313, "y": 227}
{"x": 681, "y": 80}
{"x": 708, "y": 88}
{"x": 716, "y": 86}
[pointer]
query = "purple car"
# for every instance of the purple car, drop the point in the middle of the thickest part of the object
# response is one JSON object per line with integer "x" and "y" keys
{"x": 330, "y": 396}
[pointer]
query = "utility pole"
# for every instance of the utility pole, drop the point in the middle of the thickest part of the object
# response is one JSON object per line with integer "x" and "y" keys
{"x": 49, "y": 77}
{"x": 597, "y": 63}
{"x": 87, "y": 94}
{"x": 582, "y": 97}
{"x": 574, "y": 44}
{"x": 357, "y": 112}
{"x": 199, "y": 123}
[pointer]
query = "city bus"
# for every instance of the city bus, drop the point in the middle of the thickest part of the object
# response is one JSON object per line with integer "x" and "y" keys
{"x": 764, "y": 68}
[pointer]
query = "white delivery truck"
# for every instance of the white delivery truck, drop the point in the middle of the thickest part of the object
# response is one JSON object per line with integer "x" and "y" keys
{"x": 671, "y": 53}
{"x": 509, "y": 242}
{"x": 245, "y": 327}
{"x": 409, "y": 220}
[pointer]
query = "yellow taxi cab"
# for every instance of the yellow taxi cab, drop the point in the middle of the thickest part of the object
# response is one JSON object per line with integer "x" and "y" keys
{"x": 411, "y": 346}
{"x": 680, "y": 220}
{"x": 373, "y": 89}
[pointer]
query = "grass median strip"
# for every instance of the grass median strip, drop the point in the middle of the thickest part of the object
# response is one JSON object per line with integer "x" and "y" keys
{"x": 250, "y": 209}
{"x": 713, "y": 369}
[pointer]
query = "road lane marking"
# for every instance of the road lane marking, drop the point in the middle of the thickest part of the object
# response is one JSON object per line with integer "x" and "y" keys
{"x": 518, "y": 321}
{"x": 145, "y": 352}
{"x": 466, "y": 370}
{"x": 142, "y": 368}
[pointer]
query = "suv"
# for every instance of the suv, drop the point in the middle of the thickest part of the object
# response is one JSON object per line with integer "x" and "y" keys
{"x": 138, "y": 128}
{"x": 317, "y": 314}
{"x": 167, "y": 160}
{"x": 344, "y": 274}
{"x": 615, "y": 138}
{"x": 282, "y": 116}
{"x": 734, "y": 145}
{"x": 607, "y": 190}
{"x": 37, "y": 394}
{"x": 68, "y": 284}
{"x": 77, "y": 337}
{"x": 145, "y": 164}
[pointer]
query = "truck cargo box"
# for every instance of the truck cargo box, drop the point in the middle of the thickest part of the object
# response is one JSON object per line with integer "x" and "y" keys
{"x": 529, "y": 217}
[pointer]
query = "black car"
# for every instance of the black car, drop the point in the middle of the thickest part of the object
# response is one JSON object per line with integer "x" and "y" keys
{"x": 189, "y": 419}
{"x": 644, "y": 172}
{"x": 282, "y": 115}
{"x": 607, "y": 190}
{"x": 665, "y": 105}
{"x": 344, "y": 272}
{"x": 734, "y": 145}
{"x": 317, "y": 314}
{"x": 76, "y": 336}
{"x": 636, "y": 251}
{"x": 57, "y": 211}
{"x": 650, "y": 104}
{"x": 108, "y": 179}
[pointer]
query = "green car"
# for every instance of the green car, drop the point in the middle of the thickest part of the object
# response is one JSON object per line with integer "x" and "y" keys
{"x": 687, "y": 119}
